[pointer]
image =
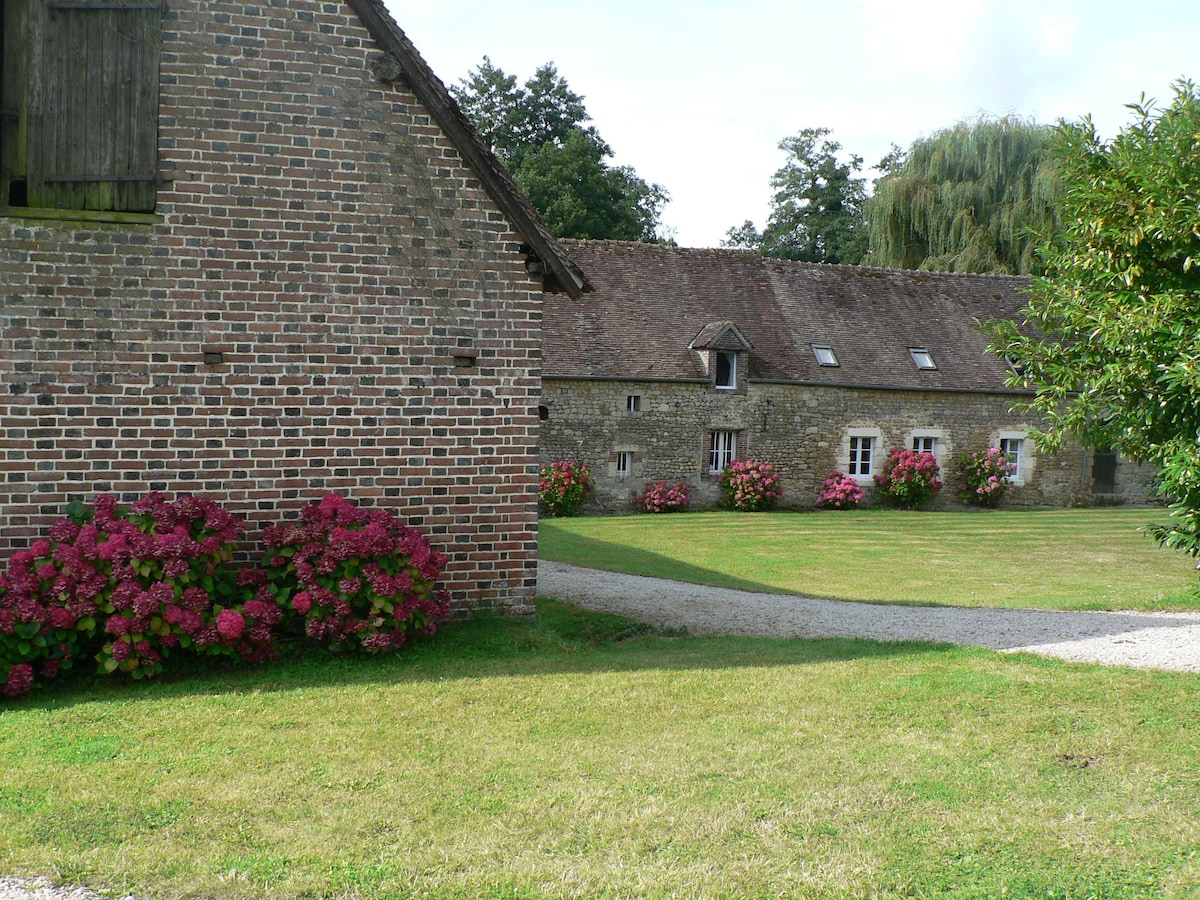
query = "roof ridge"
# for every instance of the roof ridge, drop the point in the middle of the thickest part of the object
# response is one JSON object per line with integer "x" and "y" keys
{"x": 774, "y": 260}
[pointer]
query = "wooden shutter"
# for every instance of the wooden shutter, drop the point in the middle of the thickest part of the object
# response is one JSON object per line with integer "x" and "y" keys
{"x": 93, "y": 105}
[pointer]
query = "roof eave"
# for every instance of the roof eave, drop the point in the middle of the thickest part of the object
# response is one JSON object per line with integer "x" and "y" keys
{"x": 560, "y": 271}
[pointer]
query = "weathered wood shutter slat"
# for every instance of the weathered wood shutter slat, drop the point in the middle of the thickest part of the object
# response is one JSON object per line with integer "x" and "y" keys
{"x": 95, "y": 125}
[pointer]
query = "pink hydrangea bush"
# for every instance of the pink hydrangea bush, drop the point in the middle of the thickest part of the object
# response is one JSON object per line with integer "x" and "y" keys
{"x": 131, "y": 586}
{"x": 663, "y": 497}
{"x": 38, "y": 636}
{"x": 356, "y": 577}
{"x": 840, "y": 491}
{"x": 750, "y": 486}
{"x": 563, "y": 487}
{"x": 909, "y": 479}
{"x": 987, "y": 475}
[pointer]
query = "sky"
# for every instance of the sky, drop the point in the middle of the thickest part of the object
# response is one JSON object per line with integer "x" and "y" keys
{"x": 697, "y": 94}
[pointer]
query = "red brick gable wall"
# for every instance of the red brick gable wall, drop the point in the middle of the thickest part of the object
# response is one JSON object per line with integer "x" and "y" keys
{"x": 329, "y": 302}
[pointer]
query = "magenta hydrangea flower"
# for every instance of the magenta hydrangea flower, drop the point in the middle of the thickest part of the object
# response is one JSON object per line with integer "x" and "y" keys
{"x": 302, "y": 602}
{"x": 20, "y": 680}
{"x": 230, "y": 624}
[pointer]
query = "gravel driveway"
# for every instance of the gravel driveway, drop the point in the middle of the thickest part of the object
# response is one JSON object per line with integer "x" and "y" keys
{"x": 1143, "y": 640}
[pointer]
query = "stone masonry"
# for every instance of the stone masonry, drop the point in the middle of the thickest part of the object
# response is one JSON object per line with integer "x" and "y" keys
{"x": 802, "y": 430}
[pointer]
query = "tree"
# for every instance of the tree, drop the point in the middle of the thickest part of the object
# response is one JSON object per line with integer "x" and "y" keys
{"x": 537, "y": 130}
{"x": 816, "y": 212}
{"x": 579, "y": 196}
{"x": 1111, "y": 339}
{"x": 972, "y": 198}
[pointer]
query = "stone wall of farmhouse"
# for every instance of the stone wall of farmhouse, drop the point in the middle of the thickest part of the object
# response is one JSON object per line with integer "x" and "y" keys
{"x": 803, "y": 430}
{"x": 326, "y": 300}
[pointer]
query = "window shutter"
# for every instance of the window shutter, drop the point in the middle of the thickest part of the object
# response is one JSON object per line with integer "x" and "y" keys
{"x": 93, "y": 105}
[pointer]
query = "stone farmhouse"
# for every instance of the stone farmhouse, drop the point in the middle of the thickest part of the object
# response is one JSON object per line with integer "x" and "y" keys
{"x": 253, "y": 251}
{"x": 683, "y": 360}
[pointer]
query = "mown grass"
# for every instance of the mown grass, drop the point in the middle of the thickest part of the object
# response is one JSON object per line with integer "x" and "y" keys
{"x": 1082, "y": 559}
{"x": 588, "y": 756}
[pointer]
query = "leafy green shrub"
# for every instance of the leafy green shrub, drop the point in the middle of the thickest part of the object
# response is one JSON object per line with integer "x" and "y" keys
{"x": 986, "y": 474}
{"x": 909, "y": 479}
{"x": 564, "y": 486}
{"x": 750, "y": 486}
{"x": 356, "y": 576}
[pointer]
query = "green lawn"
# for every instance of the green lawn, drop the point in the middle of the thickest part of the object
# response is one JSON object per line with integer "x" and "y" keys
{"x": 581, "y": 756}
{"x": 1083, "y": 559}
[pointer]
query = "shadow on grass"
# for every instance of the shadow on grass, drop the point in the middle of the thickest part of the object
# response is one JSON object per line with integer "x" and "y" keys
{"x": 564, "y": 639}
{"x": 578, "y": 550}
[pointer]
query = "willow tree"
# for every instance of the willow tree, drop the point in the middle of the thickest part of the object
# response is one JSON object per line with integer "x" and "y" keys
{"x": 977, "y": 197}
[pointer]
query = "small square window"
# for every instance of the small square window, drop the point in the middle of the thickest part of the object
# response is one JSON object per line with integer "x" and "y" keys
{"x": 922, "y": 358}
{"x": 925, "y": 444}
{"x": 624, "y": 462}
{"x": 825, "y": 355}
{"x": 633, "y": 403}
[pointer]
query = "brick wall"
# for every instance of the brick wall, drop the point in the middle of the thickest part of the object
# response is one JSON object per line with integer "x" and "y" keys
{"x": 804, "y": 431}
{"x": 328, "y": 301}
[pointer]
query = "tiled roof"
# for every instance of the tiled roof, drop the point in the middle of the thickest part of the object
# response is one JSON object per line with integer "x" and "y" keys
{"x": 650, "y": 301}
{"x": 429, "y": 89}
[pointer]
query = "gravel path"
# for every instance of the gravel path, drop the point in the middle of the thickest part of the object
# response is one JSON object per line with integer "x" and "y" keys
{"x": 1142, "y": 640}
{"x": 41, "y": 889}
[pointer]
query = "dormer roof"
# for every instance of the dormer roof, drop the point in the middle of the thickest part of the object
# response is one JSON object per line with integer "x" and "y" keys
{"x": 722, "y": 335}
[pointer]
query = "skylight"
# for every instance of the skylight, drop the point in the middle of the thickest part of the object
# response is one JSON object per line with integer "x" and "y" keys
{"x": 825, "y": 355}
{"x": 922, "y": 358}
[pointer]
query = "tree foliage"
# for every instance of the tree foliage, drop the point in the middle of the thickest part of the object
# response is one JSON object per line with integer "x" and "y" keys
{"x": 1111, "y": 340}
{"x": 977, "y": 197}
{"x": 537, "y": 130}
{"x": 816, "y": 212}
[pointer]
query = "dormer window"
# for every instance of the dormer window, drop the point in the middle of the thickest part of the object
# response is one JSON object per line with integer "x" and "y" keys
{"x": 719, "y": 350}
{"x": 825, "y": 355}
{"x": 923, "y": 359}
{"x": 726, "y": 365}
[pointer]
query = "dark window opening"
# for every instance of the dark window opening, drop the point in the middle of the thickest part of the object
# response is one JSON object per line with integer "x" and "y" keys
{"x": 17, "y": 193}
{"x": 726, "y": 369}
{"x": 1104, "y": 472}
{"x": 544, "y": 413}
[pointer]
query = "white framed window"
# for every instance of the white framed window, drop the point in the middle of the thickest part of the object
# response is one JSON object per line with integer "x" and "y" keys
{"x": 1013, "y": 450}
{"x": 825, "y": 355}
{"x": 925, "y": 443}
{"x": 722, "y": 451}
{"x": 862, "y": 453}
{"x": 624, "y": 462}
{"x": 633, "y": 403}
{"x": 922, "y": 359}
{"x": 726, "y": 362}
